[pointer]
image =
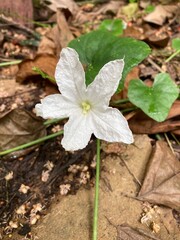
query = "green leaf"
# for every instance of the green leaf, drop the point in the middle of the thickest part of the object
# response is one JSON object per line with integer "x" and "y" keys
{"x": 130, "y": 10}
{"x": 157, "y": 100}
{"x": 176, "y": 43}
{"x": 97, "y": 48}
{"x": 115, "y": 26}
{"x": 149, "y": 9}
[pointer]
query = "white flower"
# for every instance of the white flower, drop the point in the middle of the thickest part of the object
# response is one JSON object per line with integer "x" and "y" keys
{"x": 86, "y": 107}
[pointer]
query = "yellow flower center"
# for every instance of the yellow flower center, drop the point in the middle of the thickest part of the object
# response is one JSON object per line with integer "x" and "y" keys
{"x": 85, "y": 107}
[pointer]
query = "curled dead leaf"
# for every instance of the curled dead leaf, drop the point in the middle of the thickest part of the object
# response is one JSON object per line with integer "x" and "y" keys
{"x": 19, "y": 127}
{"x": 141, "y": 123}
{"x": 57, "y": 37}
{"x": 45, "y": 62}
{"x": 161, "y": 13}
{"x": 126, "y": 232}
{"x": 63, "y": 4}
{"x": 162, "y": 181}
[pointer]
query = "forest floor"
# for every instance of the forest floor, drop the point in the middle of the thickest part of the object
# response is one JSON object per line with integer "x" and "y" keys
{"x": 47, "y": 192}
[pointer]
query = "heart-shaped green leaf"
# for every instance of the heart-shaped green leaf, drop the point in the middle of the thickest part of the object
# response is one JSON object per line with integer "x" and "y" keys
{"x": 97, "y": 48}
{"x": 157, "y": 100}
{"x": 115, "y": 26}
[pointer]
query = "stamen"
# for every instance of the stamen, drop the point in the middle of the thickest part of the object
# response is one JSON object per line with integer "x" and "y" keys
{"x": 85, "y": 107}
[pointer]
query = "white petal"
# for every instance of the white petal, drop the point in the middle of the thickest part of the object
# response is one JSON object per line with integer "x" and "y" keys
{"x": 106, "y": 83}
{"x": 77, "y": 132}
{"x": 54, "y": 106}
{"x": 70, "y": 75}
{"x": 112, "y": 126}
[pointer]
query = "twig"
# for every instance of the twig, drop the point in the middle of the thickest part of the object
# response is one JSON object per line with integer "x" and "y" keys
{"x": 154, "y": 64}
{"x": 169, "y": 143}
{"x": 175, "y": 138}
{"x": 29, "y": 144}
{"x": 135, "y": 178}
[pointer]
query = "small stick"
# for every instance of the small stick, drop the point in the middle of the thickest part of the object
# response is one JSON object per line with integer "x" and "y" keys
{"x": 169, "y": 143}
{"x": 155, "y": 65}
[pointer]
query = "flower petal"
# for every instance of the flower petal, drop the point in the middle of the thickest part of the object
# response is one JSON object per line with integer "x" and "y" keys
{"x": 77, "y": 132}
{"x": 70, "y": 75}
{"x": 106, "y": 83}
{"x": 112, "y": 126}
{"x": 54, "y": 106}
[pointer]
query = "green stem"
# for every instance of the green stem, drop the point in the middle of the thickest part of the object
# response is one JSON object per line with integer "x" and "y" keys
{"x": 129, "y": 109}
{"x": 172, "y": 56}
{"x": 29, "y": 144}
{"x": 10, "y": 63}
{"x": 158, "y": 136}
{"x": 96, "y": 199}
{"x": 120, "y": 101}
{"x": 52, "y": 121}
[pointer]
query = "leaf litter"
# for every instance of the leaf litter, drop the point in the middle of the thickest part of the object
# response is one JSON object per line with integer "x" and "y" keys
{"x": 28, "y": 181}
{"x": 162, "y": 181}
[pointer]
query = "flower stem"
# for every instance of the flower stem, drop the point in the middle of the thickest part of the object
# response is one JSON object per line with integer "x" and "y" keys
{"x": 29, "y": 144}
{"x": 96, "y": 199}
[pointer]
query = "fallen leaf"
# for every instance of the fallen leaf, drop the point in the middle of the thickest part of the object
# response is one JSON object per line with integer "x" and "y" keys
{"x": 63, "y": 4}
{"x": 158, "y": 39}
{"x": 65, "y": 34}
{"x": 110, "y": 7}
{"x": 125, "y": 232}
{"x": 161, "y": 13}
{"x": 133, "y": 74}
{"x": 57, "y": 37}
{"x": 162, "y": 181}
{"x": 46, "y": 62}
{"x": 134, "y": 32}
{"x": 141, "y": 123}
{"x": 19, "y": 127}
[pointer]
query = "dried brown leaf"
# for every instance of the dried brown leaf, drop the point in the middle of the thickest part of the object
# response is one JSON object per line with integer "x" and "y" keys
{"x": 45, "y": 62}
{"x": 159, "y": 15}
{"x": 57, "y": 37}
{"x": 110, "y": 7}
{"x": 162, "y": 181}
{"x": 141, "y": 123}
{"x": 134, "y": 32}
{"x": 133, "y": 74}
{"x": 157, "y": 39}
{"x": 125, "y": 232}
{"x": 18, "y": 127}
{"x": 63, "y": 4}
